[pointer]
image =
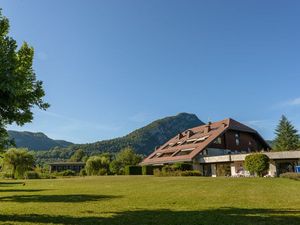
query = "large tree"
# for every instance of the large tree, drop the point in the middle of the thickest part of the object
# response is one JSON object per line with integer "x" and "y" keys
{"x": 18, "y": 161}
{"x": 287, "y": 137}
{"x": 97, "y": 165}
{"x": 126, "y": 157}
{"x": 20, "y": 91}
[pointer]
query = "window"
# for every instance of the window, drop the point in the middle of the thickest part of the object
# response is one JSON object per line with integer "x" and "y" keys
{"x": 185, "y": 151}
{"x": 218, "y": 141}
{"x": 237, "y": 139}
{"x": 201, "y": 139}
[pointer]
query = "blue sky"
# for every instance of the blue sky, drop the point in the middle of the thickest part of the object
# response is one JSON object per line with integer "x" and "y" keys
{"x": 110, "y": 67}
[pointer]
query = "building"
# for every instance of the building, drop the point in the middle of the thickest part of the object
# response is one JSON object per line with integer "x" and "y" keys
{"x": 61, "y": 166}
{"x": 219, "y": 149}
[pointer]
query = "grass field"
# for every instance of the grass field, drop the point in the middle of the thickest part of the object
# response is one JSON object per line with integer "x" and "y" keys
{"x": 151, "y": 200}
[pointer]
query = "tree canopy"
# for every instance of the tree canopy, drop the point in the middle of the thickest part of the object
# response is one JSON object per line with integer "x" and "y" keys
{"x": 287, "y": 137}
{"x": 257, "y": 163}
{"x": 18, "y": 161}
{"x": 97, "y": 165}
{"x": 20, "y": 91}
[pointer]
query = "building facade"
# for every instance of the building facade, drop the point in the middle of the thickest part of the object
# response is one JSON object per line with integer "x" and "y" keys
{"x": 219, "y": 149}
{"x": 61, "y": 166}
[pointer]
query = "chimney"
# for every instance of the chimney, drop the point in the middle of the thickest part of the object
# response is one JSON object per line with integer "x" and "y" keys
{"x": 207, "y": 128}
{"x": 189, "y": 133}
{"x": 179, "y": 136}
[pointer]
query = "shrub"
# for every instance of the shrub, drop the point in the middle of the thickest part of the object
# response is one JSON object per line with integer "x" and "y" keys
{"x": 294, "y": 176}
{"x": 182, "y": 166}
{"x": 102, "y": 172}
{"x": 47, "y": 176}
{"x": 190, "y": 173}
{"x": 167, "y": 169}
{"x": 133, "y": 170}
{"x": 31, "y": 175}
{"x": 82, "y": 172}
{"x": 147, "y": 170}
{"x": 157, "y": 172}
{"x": 67, "y": 173}
{"x": 5, "y": 175}
{"x": 257, "y": 163}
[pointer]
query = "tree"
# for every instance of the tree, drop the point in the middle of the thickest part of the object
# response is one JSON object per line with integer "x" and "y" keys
{"x": 287, "y": 137}
{"x": 18, "y": 161}
{"x": 126, "y": 157}
{"x": 20, "y": 91}
{"x": 77, "y": 156}
{"x": 97, "y": 165}
{"x": 257, "y": 163}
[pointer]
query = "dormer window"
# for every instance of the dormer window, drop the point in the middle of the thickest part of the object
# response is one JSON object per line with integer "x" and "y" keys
{"x": 218, "y": 141}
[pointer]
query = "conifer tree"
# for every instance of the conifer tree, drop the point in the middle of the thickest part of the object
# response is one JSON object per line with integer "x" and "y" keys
{"x": 287, "y": 137}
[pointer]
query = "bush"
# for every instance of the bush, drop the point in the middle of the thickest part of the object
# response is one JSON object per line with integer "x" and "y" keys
{"x": 167, "y": 171}
{"x": 47, "y": 176}
{"x": 32, "y": 175}
{"x": 157, "y": 172}
{"x": 5, "y": 175}
{"x": 133, "y": 170}
{"x": 82, "y": 172}
{"x": 102, "y": 172}
{"x": 190, "y": 173}
{"x": 294, "y": 176}
{"x": 182, "y": 166}
{"x": 257, "y": 163}
{"x": 147, "y": 170}
{"x": 67, "y": 173}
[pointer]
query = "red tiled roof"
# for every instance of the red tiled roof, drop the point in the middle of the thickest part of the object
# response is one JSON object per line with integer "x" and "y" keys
{"x": 199, "y": 137}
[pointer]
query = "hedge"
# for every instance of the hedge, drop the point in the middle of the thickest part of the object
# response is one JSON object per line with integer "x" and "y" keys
{"x": 66, "y": 173}
{"x": 133, "y": 170}
{"x": 31, "y": 175}
{"x": 293, "y": 176}
{"x": 147, "y": 170}
{"x": 182, "y": 166}
{"x": 191, "y": 173}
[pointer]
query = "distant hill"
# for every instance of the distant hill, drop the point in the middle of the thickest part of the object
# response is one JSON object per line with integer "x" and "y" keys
{"x": 142, "y": 140}
{"x": 145, "y": 139}
{"x": 36, "y": 141}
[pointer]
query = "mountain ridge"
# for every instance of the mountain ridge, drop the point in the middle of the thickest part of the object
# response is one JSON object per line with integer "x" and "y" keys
{"x": 36, "y": 140}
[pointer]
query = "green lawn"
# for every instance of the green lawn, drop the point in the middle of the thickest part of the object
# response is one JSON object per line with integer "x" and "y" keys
{"x": 151, "y": 200}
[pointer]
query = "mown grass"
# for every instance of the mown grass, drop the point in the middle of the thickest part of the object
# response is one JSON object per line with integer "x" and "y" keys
{"x": 138, "y": 200}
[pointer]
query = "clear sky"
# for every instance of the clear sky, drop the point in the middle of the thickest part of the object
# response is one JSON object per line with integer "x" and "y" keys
{"x": 110, "y": 67}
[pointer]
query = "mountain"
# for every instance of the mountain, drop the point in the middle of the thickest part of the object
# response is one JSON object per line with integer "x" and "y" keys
{"x": 145, "y": 139}
{"x": 142, "y": 140}
{"x": 36, "y": 141}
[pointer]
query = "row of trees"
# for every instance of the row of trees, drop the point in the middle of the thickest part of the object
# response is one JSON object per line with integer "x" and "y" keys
{"x": 107, "y": 163}
{"x": 16, "y": 162}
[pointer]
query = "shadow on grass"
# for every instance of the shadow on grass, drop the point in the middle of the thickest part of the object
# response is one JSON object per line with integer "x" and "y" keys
{"x": 24, "y": 190}
{"x": 56, "y": 198}
{"x": 10, "y": 183}
{"x": 227, "y": 216}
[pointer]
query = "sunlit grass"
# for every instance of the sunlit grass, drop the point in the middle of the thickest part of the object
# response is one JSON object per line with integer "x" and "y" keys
{"x": 151, "y": 200}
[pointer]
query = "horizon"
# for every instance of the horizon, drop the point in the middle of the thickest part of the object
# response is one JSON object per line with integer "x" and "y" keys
{"x": 112, "y": 67}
